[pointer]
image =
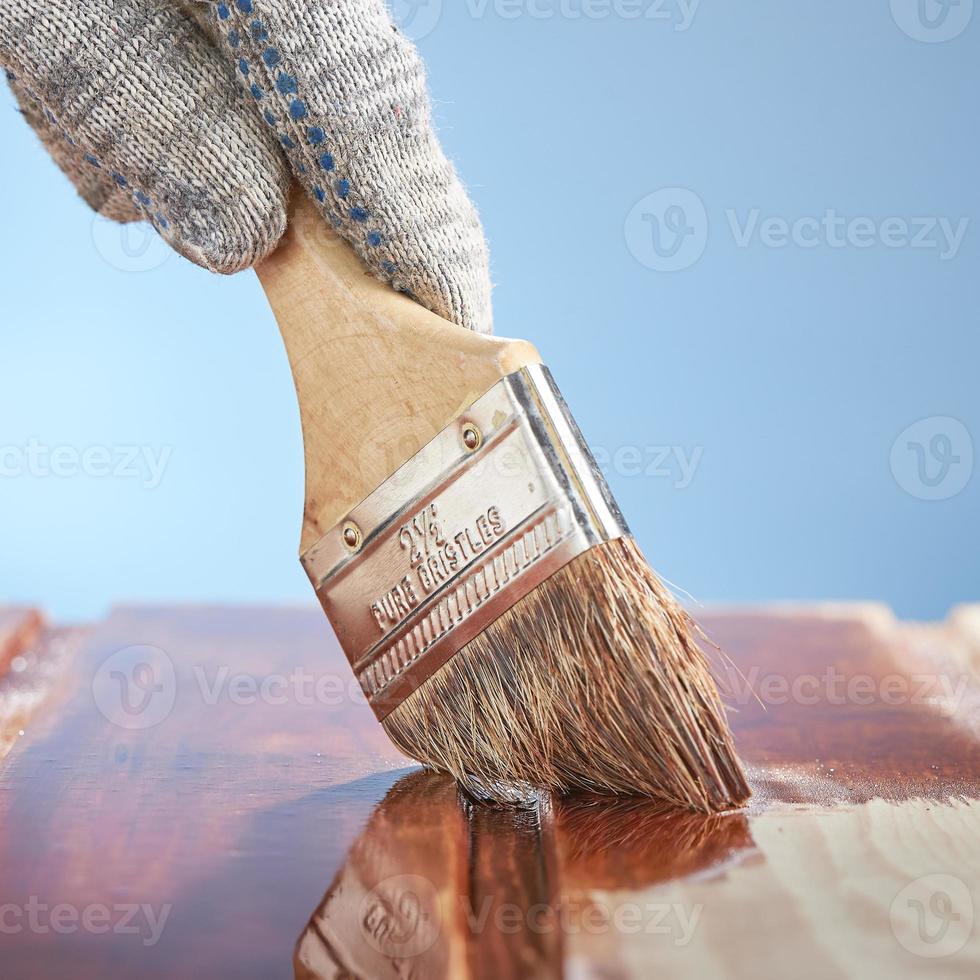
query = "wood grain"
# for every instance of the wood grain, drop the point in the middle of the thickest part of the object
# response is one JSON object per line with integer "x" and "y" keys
{"x": 226, "y": 818}
{"x": 377, "y": 376}
{"x": 866, "y": 777}
{"x": 263, "y": 826}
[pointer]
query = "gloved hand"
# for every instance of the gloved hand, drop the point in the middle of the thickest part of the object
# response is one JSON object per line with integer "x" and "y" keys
{"x": 194, "y": 115}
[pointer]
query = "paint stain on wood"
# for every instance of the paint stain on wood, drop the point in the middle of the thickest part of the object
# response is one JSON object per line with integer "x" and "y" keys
{"x": 282, "y": 835}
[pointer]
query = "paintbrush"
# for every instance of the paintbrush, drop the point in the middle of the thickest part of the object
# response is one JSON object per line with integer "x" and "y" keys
{"x": 479, "y": 576}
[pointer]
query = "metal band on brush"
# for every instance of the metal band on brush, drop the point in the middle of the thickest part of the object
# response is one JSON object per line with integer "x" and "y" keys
{"x": 496, "y": 503}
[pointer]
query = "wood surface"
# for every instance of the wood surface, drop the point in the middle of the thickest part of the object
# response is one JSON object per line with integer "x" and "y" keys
{"x": 377, "y": 376}
{"x": 262, "y": 826}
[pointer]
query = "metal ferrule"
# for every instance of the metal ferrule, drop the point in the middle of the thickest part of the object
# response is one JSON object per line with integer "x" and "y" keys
{"x": 496, "y": 503}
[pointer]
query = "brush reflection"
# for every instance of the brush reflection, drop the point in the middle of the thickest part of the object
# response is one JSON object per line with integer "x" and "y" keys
{"x": 436, "y": 887}
{"x": 636, "y": 843}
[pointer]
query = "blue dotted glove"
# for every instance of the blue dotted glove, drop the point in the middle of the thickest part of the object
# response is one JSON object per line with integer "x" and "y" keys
{"x": 196, "y": 117}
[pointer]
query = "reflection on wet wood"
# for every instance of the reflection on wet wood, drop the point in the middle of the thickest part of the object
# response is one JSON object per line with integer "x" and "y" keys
{"x": 221, "y": 811}
{"x": 255, "y": 801}
{"x": 858, "y": 856}
{"x": 636, "y": 843}
{"x": 435, "y": 887}
{"x": 395, "y": 898}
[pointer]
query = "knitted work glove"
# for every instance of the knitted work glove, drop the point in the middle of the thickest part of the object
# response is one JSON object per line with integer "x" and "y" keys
{"x": 194, "y": 116}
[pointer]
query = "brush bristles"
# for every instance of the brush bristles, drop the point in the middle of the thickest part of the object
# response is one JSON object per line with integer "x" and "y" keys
{"x": 593, "y": 682}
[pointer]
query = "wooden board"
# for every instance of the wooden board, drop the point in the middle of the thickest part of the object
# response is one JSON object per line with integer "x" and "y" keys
{"x": 204, "y": 793}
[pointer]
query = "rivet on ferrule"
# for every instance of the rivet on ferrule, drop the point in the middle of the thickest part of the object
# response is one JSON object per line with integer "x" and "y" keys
{"x": 472, "y": 437}
{"x": 352, "y": 537}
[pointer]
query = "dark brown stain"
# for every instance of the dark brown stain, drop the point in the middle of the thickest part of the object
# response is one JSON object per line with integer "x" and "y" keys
{"x": 257, "y": 824}
{"x": 853, "y": 710}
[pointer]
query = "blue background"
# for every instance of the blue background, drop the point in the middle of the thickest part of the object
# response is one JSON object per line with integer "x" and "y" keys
{"x": 790, "y": 370}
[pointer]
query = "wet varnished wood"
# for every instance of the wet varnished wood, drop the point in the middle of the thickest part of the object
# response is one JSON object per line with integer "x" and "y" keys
{"x": 262, "y": 826}
{"x": 865, "y": 813}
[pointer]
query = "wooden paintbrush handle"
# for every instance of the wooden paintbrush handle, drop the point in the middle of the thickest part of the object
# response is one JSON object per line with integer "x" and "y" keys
{"x": 377, "y": 375}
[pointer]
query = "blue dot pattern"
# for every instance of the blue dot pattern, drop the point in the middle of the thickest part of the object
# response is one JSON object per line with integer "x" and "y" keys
{"x": 286, "y": 84}
{"x": 140, "y": 197}
{"x": 270, "y": 58}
